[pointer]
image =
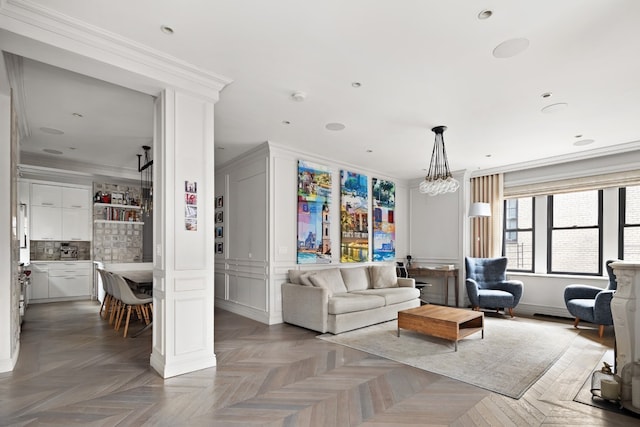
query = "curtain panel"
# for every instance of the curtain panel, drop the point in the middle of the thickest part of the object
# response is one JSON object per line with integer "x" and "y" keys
{"x": 486, "y": 232}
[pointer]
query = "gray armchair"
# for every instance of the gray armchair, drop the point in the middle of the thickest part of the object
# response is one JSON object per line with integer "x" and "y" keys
{"x": 590, "y": 303}
{"x": 487, "y": 284}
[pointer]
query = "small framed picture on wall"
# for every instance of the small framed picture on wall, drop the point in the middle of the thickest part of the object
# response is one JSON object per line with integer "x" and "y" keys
{"x": 219, "y": 232}
{"x": 219, "y": 202}
{"x": 219, "y": 248}
{"x": 219, "y": 216}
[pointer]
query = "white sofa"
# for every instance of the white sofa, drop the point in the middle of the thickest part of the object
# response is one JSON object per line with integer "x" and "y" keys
{"x": 340, "y": 299}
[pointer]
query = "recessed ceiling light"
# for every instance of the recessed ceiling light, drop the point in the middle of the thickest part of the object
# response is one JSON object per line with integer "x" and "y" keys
{"x": 555, "y": 107}
{"x": 219, "y": 148}
{"x": 583, "y": 142}
{"x": 286, "y": 122}
{"x": 578, "y": 136}
{"x": 369, "y": 151}
{"x": 485, "y": 14}
{"x": 487, "y": 155}
{"x": 51, "y": 131}
{"x": 356, "y": 84}
{"x": 334, "y": 126}
{"x": 50, "y": 151}
{"x": 510, "y": 48}
{"x": 77, "y": 115}
{"x": 166, "y": 29}
{"x": 547, "y": 95}
{"x": 72, "y": 148}
{"x": 298, "y": 96}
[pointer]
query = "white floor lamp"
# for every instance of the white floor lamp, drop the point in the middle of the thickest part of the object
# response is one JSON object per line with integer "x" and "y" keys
{"x": 478, "y": 210}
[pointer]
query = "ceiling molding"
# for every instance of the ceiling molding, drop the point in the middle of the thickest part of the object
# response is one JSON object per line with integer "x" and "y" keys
{"x": 567, "y": 158}
{"x": 42, "y": 162}
{"x": 47, "y": 26}
{"x": 15, "y": 74}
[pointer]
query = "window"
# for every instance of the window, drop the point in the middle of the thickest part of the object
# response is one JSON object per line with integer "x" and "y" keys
{"x": 629, "y": 235}
{"x": 518, "y": 233}
{"x": 575, "y": 233}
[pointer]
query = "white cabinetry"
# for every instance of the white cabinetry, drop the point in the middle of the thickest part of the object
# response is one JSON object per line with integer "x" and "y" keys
{"x": 46, "y": 195}
{"x": 60, "y": 213}
{"x": 46, "y": 223}
{"x": 60, "y": 280}
{"x": 39, "y": 286}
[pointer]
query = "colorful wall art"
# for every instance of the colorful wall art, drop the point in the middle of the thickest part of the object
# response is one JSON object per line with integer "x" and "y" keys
{"x": 314, "y": 201}
{"x": 354, "y": 217}
{"x": 384, "y": 227}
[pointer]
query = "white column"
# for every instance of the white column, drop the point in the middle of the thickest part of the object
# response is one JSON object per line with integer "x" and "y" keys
{"x": 183, "y": 289}
{"x": 626, "y": 316}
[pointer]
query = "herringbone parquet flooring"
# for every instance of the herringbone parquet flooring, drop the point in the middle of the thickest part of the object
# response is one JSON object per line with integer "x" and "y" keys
{"x": 74, "y": 370}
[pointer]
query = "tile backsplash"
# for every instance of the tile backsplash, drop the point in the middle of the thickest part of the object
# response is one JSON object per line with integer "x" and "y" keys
{"x": 49, "y": 250}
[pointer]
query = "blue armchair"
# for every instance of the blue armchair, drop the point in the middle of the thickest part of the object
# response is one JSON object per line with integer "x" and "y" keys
{"x": 590, "y": 303}
{"x": 487, "y": 284}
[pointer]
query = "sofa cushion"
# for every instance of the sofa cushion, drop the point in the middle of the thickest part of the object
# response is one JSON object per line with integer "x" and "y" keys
{"x": 330, "y": 279}
{"x": 383, "y": 276}
{"x": 348, "y": 302}
{"x": 355, "y": 278}
{"x": 300, "y": 277}
{"x": 392, "y": 295}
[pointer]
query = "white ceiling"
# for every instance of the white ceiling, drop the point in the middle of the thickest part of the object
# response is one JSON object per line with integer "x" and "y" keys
{"x": 421, "y": 63}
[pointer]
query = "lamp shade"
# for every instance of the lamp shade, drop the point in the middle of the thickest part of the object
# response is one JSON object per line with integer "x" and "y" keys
{"x": 479, "y": 209}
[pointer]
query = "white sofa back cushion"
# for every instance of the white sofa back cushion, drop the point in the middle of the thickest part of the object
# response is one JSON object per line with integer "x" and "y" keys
{"x": 330, "y": 279}
{"x": 355, "y": 278}
{"x": 300, "y": 277}
{"x": 383, "y": 276}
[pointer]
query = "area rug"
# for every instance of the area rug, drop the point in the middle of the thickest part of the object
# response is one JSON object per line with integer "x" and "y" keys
{"x": 513, "y": 355}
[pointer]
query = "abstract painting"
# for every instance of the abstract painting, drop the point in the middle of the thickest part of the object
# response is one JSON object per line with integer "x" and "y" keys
{"x": 314, "y": 200}
{"x": 354, "y": 217}
{"x": 384, "y": 227}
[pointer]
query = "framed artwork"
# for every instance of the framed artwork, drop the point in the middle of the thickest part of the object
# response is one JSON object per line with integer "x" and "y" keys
{"x": 354, "y": 217}
{"x": 219, "y": 202}
{"x": 220, "y": 216}
{"x": 117, "y": 198}
{"x": 219, "y": 232}
{"x": 384, "y": 228}
{"x": 219, "y": 248}
{"x": 314, "y": 220}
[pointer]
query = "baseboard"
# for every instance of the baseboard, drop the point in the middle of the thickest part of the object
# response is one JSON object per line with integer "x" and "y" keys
{"x": 243, "y": 310}
{"x": 532, "y": 309}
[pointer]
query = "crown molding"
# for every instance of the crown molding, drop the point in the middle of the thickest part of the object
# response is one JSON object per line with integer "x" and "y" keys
{"x": 566, "y": 158}
{"x": 48, "y": 166}
{"x": 38, "y": 23}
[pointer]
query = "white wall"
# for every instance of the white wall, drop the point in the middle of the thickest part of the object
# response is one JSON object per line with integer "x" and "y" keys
{"x": 250, "y": 285}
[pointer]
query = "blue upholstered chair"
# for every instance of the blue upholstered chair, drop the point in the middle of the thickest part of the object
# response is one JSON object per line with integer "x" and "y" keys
{"x": 487, "y": 284}
{"x": 590, "y": 303}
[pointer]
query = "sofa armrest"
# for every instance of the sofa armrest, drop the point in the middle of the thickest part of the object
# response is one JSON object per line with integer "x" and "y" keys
{"x": 406, "y": 282}
{"x": 305, "y": 306}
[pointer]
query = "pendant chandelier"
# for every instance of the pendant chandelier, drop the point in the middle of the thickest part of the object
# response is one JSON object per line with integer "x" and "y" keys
{"x": 146, "y": 180}
{"x": 439, "y": 179}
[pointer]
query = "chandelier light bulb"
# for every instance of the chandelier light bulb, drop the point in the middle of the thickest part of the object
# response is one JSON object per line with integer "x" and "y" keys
{"x": 439, "y": 179}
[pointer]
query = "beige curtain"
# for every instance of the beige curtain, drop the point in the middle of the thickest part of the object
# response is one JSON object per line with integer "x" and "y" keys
{"x": 486, "y": 232}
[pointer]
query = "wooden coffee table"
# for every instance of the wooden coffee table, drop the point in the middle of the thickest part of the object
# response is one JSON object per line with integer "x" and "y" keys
{"x": 449, "y": 323}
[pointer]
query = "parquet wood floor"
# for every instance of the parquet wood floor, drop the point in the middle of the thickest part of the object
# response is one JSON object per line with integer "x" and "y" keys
{"x": 74, "y": 370}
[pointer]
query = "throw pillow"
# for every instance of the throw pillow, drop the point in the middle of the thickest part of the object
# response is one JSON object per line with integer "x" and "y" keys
{"x": 355, "y": 278}
{"x": 330, "y": 279}
{"x": 294, "y": 276}
{"x": 304, "y": 278}
{"x": 384, "y": 276}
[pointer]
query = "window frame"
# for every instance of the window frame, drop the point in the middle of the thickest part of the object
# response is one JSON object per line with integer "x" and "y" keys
{"x": 622, "y": 220}
{"x": 551, "y": 229}
{"x": 506, "y": 230}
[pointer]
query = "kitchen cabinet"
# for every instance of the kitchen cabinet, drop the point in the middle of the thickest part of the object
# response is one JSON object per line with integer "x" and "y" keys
{"x": 75, "y": 224}
{"x": 75, "y": 198}
{"x": 46, "y": 223}
{"x": 39, "y": 285}
{"x": 60, "y": 280}
{"x": 60, "y": 213}
{"x": 46, "y": 195}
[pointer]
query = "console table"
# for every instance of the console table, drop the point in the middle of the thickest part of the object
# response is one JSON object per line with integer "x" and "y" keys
{"x": 441, "y": 273}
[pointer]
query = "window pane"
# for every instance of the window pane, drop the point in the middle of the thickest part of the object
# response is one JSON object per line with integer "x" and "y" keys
{"x": 525, "y": 212}
{"x": 575, "y": 251}
{"x": 632, "y": 213}
{"x": 519, "y": 251}
{"x": 575, "y": 209}
{"x": 632, "y": 244}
